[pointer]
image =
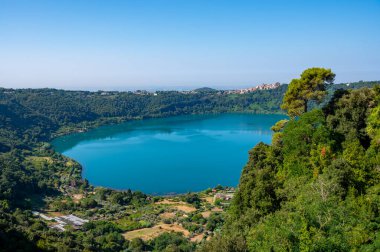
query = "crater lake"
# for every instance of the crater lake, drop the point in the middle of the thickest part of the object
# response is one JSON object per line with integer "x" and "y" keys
{"x": 168, "y": 155}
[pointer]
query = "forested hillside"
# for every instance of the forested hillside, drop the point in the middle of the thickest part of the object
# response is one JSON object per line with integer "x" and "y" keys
{"x": 33, "y": 176}
{"x": 316, "y": 187}
{"x": 32, "y": 115}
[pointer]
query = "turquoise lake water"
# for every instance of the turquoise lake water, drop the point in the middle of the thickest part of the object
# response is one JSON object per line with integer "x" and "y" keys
{"x": 168, "y": 155}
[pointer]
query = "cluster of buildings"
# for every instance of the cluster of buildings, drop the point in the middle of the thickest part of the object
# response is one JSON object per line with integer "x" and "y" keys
{"x": 236, "y": 91}
{"x": 225, "y": 195}
{"x": 138, "y": 92}
{"x": 253, "y": 89}
{"x": 62, "y": 221}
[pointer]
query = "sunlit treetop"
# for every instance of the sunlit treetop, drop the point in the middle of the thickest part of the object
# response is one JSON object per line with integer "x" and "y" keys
{"x": 310, "y": 87}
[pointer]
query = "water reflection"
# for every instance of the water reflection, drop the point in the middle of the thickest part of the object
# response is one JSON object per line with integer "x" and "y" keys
{"x": 178, "y": 154}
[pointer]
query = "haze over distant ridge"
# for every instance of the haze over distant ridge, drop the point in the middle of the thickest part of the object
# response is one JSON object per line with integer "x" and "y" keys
{"x": 164, "y": 44}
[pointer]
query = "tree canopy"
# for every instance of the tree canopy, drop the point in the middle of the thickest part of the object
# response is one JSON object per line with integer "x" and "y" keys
{"x": 317, "y": 187}
{"x": 311, "y": 86}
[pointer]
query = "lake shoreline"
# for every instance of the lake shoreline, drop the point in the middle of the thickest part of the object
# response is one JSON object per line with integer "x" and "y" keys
{"x": 173, "y": 133}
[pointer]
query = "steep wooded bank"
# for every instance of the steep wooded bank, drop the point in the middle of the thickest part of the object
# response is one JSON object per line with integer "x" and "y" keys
{"x": 316, "y": 187}
{"x": 33, "y": 176}
{"x": 29, "y": 116}
{"x": 32, "y": 115}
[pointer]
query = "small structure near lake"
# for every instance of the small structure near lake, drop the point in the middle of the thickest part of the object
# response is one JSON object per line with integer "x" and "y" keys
{"x": 62, "y": 221}
{"x": 223, "y": 196}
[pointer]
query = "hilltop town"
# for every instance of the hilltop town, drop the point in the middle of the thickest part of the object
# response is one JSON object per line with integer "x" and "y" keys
{"x": 253, "y": 89}
{"x": 206, "y": 89}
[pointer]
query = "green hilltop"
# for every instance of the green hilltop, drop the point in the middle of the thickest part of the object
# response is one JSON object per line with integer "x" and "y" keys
{"x": 315, "y": 188}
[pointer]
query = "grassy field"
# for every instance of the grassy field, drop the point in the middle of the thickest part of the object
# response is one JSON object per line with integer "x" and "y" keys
{"x": 150, "y": 233}
{"x": 197, "y": 216}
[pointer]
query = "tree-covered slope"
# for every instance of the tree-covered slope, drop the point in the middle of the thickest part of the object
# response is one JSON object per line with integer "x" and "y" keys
{"x": 33, "y": 115}
{"x": 316, "y": 187}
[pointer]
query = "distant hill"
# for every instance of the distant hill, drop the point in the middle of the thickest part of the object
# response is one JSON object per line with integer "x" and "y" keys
{"x": 279, "y": 195}
{"x": 205, "y": 89}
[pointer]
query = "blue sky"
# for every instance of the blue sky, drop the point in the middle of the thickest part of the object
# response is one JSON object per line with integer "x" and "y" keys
{"x": 165, "y": 44}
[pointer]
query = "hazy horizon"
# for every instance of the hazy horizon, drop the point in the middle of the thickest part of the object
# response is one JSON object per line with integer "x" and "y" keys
{"x": 166, "y": 45}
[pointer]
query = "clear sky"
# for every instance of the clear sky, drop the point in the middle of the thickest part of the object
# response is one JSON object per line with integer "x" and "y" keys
{"x": 163, "y": 44}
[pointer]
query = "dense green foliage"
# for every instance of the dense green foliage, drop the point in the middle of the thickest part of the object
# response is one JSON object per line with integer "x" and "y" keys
{"x": 316, "y": 188}
{"x": 310, "y": 87}
{"x": 168, "y": 242}
{"x": 31, "y": 115}
{"x": 31, "y": 170}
